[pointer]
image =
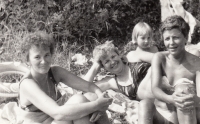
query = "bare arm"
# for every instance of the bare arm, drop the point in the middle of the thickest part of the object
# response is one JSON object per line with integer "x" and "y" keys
{"x": 157, "y": 78}
{"x": 71, "y": 80}
{"x": 107, "y": 83}
{"x": 31, "y": 91}
{"x": 144, "y": 56}
{"x": 92, "y": 72}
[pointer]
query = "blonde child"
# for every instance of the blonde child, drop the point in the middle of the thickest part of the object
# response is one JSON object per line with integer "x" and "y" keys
{"x": 142, "y": 36}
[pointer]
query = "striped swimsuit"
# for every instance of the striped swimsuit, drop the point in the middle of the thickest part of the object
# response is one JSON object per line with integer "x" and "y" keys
{"x": 139, "y": 71}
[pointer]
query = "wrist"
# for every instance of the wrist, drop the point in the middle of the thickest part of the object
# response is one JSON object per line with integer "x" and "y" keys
{"x": 98, "y": 92}
{"x": 96, "y": 105}
{"x": 96, "y": 65}
{"x": 95, "y": 89}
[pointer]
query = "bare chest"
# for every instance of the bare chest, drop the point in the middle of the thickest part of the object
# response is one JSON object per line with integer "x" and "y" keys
{"x": 175, "y": 72}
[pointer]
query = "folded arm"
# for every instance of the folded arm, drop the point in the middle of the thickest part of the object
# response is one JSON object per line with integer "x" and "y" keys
{"x": 50, "y": 107}
{"x": 157, "y": 79}
{"x": 71, "y": 80}
{"x": 92, "y": 72}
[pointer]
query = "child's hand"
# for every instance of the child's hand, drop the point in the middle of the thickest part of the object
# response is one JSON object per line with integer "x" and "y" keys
{"x": 104, "y": 101}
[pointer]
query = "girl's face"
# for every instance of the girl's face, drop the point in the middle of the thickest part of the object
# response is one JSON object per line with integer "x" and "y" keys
{"x": 40, "y": 59}
{"x": 112, "y": 62}
{"x": 144, "y": 41}
{"x": 174, "y": 41}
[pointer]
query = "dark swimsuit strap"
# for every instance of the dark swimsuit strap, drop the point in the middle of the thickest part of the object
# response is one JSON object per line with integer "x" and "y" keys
{"x": 52, "y": 77}
{"x": 58, "y": 95}
{"x": 134, "y": 84}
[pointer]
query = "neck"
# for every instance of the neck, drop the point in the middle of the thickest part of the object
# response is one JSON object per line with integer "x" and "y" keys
{"x": 38, "y": 76}
{"x": 143, "y": 49}
{"x": 178, "y": 58}
{"x": 124, "y": 73}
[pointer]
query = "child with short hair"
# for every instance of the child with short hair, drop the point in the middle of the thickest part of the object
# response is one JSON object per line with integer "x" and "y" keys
{"x": 142, "y": 36}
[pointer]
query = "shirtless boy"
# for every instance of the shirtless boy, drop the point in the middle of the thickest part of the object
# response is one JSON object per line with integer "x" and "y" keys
{"x": 180, "y": 67}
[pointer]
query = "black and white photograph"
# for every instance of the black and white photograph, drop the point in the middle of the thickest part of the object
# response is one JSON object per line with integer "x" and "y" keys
{"x": 99, "y": 62}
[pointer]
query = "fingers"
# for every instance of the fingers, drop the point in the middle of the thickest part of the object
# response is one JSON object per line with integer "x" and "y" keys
{"x": 109, "y": 100}
{"x": 105, "y": 95}
{"x": 185, "y": 105}
{"x": 95, "y": 116}
{"x": 185, "y": 98}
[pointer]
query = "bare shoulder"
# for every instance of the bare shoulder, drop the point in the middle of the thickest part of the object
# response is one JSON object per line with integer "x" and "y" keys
{"x": 154, "y": 49}
{"x": 161, "y": 55}
{"x": 59, "y": 72}
{"x": 132, "y": 56}
{"x": 194, "y": 60}
{"x": 28, "y": 84}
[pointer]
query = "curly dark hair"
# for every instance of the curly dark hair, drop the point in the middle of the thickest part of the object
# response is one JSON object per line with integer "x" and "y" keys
{"x": 39, "y": 39}
{"x": 175, "y": 22}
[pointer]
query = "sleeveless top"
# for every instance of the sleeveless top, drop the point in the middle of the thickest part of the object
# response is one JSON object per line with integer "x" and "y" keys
{"x": 31, "y": 107}
{"x": 138, "y": 71}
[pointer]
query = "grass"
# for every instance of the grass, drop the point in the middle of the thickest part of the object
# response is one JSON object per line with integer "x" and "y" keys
{"x": 62, "y": 57}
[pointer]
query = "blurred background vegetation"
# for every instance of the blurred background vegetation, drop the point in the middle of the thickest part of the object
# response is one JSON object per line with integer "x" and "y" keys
{"x": 78, "y": 25}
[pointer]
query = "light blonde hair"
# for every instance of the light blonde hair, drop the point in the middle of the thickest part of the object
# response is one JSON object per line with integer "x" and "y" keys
{"x": 141, "y": 28}
{"x": 103, "y": 50}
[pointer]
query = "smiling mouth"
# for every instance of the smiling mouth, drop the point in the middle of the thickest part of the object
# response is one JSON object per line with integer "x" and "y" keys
{"x": 173, "y": 48}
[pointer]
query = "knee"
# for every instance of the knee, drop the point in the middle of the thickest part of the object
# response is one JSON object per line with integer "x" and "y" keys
{"x": 78, "y": 98}
{"x": 91, "y": 96}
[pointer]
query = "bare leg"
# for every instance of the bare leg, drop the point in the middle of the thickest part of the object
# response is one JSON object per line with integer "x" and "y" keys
{"x": 186, "y": 116}
{"x": 104, "y": 118}
{"x": 146, "y": 108}
{"x": 145, "y": 85}
{"x": 80, "y": 99}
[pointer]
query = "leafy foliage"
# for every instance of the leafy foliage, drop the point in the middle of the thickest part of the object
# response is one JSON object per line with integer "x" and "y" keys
{"x": 84, "y": 22}
{"x": 78, "y": 25}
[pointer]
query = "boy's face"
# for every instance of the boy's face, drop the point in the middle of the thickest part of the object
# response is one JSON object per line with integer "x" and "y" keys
{"x": 174, "y": 41}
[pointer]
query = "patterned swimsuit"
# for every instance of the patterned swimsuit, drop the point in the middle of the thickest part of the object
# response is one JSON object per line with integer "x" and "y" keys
{"x": 139, "y": 71}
